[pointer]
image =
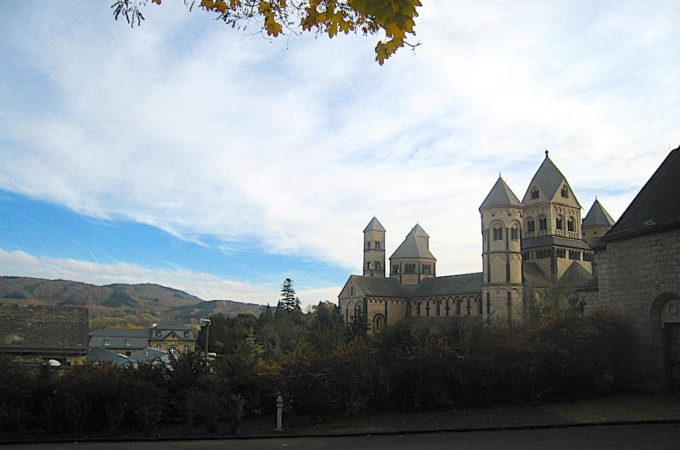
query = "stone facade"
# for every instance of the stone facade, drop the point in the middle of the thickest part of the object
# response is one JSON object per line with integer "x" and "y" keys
{"x": 172, "y": 337}
{"x": 637, "y": 266}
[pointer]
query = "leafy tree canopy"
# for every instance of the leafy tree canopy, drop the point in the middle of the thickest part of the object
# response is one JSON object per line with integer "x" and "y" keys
{"x": 392, "y": 19}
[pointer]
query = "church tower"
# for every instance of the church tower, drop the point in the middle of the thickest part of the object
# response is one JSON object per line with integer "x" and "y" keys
{"x": 597, "y": 223}
{"x": 502, "y": 288}
{"x": 374, "y": 249}
{"x": 552, "y": 237}
{"x": 412, "y": 262}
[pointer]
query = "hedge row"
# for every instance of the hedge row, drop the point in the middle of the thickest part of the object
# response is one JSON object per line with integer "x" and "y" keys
{"x": 402, "y": 369}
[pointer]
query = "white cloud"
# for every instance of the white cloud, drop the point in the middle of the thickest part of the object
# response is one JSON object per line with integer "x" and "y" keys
{"x": 192, "y": 127}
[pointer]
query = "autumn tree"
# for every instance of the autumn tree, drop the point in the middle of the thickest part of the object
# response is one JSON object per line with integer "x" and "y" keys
{"x": 393, "y": 20}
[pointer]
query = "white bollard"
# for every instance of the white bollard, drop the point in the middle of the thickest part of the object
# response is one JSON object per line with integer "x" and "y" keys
{"x": 279, "y": 413}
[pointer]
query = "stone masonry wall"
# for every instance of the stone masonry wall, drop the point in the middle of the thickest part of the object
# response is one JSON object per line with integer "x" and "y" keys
{"x": 635, "y": 276}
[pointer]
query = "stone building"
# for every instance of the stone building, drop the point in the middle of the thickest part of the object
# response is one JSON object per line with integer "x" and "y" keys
{"x": 638, "y": 276}
{"x": 172, "y": 337}
{"x": 166, "y": 336}
{"x": 528, "y": 247}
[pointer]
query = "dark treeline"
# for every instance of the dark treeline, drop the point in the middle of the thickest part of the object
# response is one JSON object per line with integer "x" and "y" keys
{"x": 322, "y": 369}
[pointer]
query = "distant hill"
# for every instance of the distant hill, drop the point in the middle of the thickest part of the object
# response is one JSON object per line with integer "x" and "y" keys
{"x": 229, "y": 308}
{"x": 119, "y": 304}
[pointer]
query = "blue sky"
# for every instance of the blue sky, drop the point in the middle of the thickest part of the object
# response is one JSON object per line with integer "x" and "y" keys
{"x": 220, "y": 162}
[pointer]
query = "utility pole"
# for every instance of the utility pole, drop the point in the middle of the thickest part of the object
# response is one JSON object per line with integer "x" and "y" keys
{"x": 206, "y": 323}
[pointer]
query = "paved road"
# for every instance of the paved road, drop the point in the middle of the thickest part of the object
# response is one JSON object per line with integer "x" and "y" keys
{"x": 660, "y": 436}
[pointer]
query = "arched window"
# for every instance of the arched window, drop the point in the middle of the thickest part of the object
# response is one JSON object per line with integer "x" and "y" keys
{"x": 377, "y": 245}
{"x": 514, "y": 233}
{"x": 368, "y": 265}
{"x": 559, "y": 223}
{"x": 571, "y": 224}
{"x": 378, "y": 322}
{"x": 497, "y": 233}
{"x": 531, "y": 225}
{"x": 542, "y": 223}
{"x": 377, "y": 265}
{"x": 565, "y": 191}
{"x": 368, "y": 245}
{"x": 534, "y": 193}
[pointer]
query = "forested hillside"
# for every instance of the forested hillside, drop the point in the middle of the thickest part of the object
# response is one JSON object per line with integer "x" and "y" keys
{"x": 119, "y": 304}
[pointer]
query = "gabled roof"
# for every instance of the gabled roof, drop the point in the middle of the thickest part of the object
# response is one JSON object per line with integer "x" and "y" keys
{"x": 467, "y": 283}
{"x": 548, "y": 179}
{"x": 415, "y": 245}
{"x": 169, "y": 325}
{"x": 597, "y": 216}
{"x": 500, "y": 195}
{"x": 378, "y": 286}
{"x": 575, "y": 276}
{"x": 120, "y": 332}
{"x": 657, "y": 205}
{"x": 101, "y": 355}
{"x": 120, "y": 342}
{"x": 533, "y": 274}
{"x": 35, "y": 327}
{"x": 374, "y": 225}
{"x": 150, "y": 354}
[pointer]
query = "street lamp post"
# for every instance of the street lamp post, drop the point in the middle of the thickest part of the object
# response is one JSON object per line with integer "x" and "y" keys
{"x": 206, "y": 323}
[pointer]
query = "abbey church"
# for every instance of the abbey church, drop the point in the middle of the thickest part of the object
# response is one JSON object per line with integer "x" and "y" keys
{"x": 528, "y": 247}
{"x": 629, "y": 269}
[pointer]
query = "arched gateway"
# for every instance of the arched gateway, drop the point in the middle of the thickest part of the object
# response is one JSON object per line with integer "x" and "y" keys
{"x": 669, "y": 314}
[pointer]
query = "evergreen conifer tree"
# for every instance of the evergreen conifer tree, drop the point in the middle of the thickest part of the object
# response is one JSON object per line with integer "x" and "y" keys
{"x": 289, "y": 303}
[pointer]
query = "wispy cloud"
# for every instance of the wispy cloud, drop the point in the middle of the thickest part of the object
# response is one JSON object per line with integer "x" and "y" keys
{"x": 191, "y": 127}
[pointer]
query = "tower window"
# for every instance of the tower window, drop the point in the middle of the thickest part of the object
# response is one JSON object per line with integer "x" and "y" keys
{"x": 570, "y": 224}
{"x": 534, "y": 193}
{"x": 514, "y": 233}
{"x": 531, "y": 226}
{"x": 498, "y": 234}
{"x": 368, "y": 245}
{"x": 377, "y": 245}
{"x": 377, "y": 265}
{"x": 542, "y": 223}
{"x": 565, "y": 191}
{"x": 368, "y": 265}
{"x": 559, "y": 223}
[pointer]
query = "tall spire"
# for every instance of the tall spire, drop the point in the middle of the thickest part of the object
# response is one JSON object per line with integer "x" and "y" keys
{"x": 500, "y": 195}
